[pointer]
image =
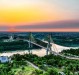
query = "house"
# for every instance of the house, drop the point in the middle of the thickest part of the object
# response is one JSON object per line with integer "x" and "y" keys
{"x": 4, "y": 59}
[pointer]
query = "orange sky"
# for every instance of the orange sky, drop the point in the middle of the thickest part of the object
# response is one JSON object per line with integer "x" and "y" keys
{"x": 25, "y": 16}
{"x": 28, "y": 15}
{"x": 24, "y": 12}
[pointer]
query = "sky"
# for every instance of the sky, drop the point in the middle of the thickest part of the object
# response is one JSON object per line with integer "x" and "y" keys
{"x": 39, "y": 15}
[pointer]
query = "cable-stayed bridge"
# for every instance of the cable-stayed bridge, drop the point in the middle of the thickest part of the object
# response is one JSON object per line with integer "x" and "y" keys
{"x": 45, "y": 45}
{"x": 42, "y": 44}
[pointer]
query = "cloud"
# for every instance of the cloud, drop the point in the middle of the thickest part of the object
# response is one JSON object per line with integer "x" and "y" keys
{"x": 52, "y": 25}
{"x": 4, "y": 28}
{"x": 49, "y": 26}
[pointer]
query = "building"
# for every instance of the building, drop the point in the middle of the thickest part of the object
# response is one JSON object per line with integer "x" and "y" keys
{"x": 4, "y": 59}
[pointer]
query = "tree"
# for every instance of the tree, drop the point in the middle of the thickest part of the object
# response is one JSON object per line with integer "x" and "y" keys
{"x": 52, "y": 72}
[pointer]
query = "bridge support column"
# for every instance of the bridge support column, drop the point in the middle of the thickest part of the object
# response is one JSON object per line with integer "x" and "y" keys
{"x": 49, "y": 50}
{"x": 30, "y": 44}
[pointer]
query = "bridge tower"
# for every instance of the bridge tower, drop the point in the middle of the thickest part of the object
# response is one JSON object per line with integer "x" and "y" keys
{"x": 50, "y": 44}
{"x": 49, "y": 49}
{"x": 31, "y": 39}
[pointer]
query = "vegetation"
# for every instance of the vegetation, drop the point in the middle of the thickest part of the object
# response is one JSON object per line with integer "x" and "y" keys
{"x": 16, "y": 45}
{"x": 41, "y": 43}
{"x": 71, "y": 52}
{"x": 49, "y": 65}
{"x": 15, "y": 68}
{"x": 19, "y": 45}
{"x": 19, "y": 66}
{"x": 69, "y": 41}
{"x": 51, "y": 62}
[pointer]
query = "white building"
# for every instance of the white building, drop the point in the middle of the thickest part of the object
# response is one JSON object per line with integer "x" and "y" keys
{"x": 4, "y": 59}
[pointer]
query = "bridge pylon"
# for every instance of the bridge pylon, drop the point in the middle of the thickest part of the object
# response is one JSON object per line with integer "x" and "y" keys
{"x": 31, "y": 39}
{"x": 49, "y": 49}
{"x": 50, "y": 44}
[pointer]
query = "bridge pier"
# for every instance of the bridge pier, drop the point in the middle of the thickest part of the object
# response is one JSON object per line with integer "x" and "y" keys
{"x": 47, "y": 52}
{"x": 30, "y": 47}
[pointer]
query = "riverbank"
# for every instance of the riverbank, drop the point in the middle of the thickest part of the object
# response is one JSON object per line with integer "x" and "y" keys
{"x": 39, "y": 52}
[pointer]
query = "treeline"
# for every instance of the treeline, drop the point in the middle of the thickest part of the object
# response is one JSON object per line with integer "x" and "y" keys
{"x": 16, "y": 45}
{"x": 71, "y": 51}
{"x": 66, "y": 41}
